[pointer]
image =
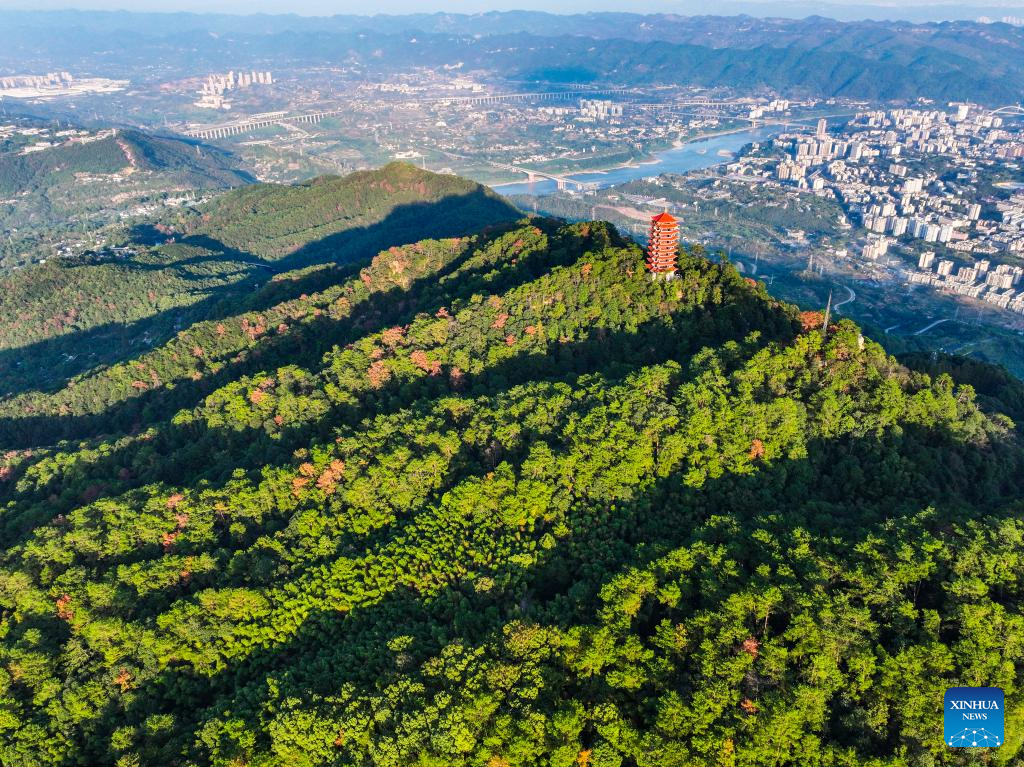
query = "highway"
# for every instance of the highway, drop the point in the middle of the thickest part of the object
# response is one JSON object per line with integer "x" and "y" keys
{"x": 928, "y": 327}
{"x": 851, "y": 297}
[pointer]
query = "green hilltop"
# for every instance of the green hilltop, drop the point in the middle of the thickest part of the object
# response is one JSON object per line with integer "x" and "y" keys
{"x": 188, "y": 164}
{"x": 59, "y": 196}
{"x": 498, "y": 499}
{"x": 63, "y": 317}
{"x": 369, "y": 209}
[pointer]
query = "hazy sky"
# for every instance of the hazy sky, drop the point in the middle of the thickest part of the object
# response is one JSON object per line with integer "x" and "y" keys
{"x": 328, "y": 7}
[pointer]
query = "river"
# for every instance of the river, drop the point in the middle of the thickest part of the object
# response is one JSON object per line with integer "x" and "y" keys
{"x": 693, "y": 155}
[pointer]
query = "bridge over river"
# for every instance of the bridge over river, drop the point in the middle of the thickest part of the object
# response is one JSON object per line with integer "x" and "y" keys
{"x": 562, "y": 182}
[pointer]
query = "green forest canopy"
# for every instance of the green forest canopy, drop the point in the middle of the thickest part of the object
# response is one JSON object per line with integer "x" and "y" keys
{"x": 72, "y": 314}
{"x": 502, "y": 500}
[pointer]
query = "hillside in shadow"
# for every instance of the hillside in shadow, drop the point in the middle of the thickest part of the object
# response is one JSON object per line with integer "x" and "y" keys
{"x": 47, "y": 365}
{"x": 506, "y": 500}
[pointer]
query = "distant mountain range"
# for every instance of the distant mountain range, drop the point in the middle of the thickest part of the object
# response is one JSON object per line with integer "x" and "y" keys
{"x": 815, "y": 56}
{"x": 590, "y": 23}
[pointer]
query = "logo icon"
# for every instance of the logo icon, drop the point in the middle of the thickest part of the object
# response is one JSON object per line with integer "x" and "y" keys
{"x": 973, "y": 717}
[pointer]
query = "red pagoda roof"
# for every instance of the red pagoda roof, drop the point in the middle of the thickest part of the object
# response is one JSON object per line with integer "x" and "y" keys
{"x": 664, "y": 218}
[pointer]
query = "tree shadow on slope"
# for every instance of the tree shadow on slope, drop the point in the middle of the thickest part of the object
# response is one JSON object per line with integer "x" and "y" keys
{"x": 997, "y": 388}
{"x": 304, "y": 344}
{"x": 196, "y": 451}
{"x": 817, "y": 495}
{"x": 43, "y": 365}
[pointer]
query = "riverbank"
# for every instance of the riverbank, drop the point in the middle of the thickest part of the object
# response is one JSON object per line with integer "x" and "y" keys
{"x": 713, "y": 148}
{"x": 657, "y": 149}
{"x": 648, "y": 158}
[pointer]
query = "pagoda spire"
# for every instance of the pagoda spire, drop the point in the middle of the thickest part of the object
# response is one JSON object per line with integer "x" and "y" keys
{"x": 663, "y": 246}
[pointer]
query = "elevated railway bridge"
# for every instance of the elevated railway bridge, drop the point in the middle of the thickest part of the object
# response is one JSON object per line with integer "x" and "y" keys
{"x": 255, "y": 122}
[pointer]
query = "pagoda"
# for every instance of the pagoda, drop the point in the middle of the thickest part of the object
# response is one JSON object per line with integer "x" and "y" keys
{"x": 663, "y": 246}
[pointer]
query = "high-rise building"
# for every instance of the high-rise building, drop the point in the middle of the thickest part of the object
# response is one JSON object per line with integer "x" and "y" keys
{"x": 822, "y": 125}
{"x": 945, "y": 267}
{"x": 663, "y": 245}
{"x": 874, "y": 248}
{"x": 967, "y": 274}
{"x": 974, "y": 212}
{"x": 1000, "y": 281}
{"x": 926, "y": 260}
{"x": 913, "y": 185}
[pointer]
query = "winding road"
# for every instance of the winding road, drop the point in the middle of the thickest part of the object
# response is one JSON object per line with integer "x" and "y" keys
{"x": 926, "y": 328}
{"x": 848, "y": 299}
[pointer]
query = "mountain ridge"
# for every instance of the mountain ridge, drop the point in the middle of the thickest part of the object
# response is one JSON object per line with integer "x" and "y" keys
{"x": 197, "y": 264}
{"x": 528, "y": 507}
{"x": 124, "y": 151}
{"x": 876, "y": 60}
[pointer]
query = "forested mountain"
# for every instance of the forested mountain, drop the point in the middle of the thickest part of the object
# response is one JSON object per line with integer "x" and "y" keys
{"x": 70, "y": 315}
{"x": 63, "y": 192}
{"x": 364, "y": 211}
{"x": 186, "y": 164}
{"x": 501, "y": 500}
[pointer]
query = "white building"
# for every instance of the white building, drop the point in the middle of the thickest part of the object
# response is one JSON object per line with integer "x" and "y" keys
{"x": 913, "y": 185}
